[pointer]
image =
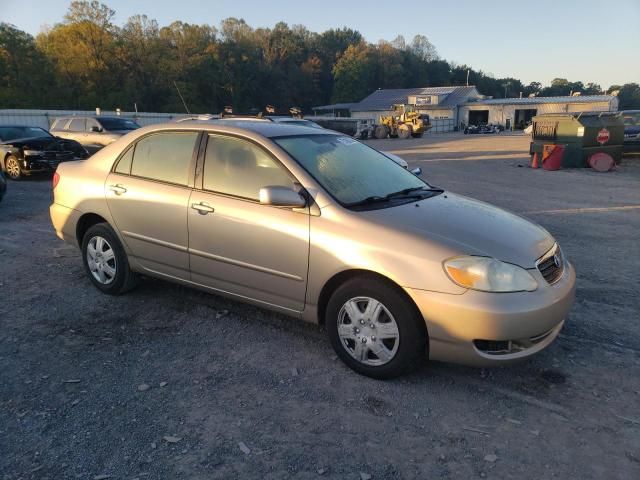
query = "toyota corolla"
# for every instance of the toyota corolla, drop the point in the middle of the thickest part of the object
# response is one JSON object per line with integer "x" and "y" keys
{"x": 321, "y": 227}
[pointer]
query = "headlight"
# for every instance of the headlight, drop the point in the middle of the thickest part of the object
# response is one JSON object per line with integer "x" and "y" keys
{"x": 33, "y": 153}
{"x": 489, "y": 275}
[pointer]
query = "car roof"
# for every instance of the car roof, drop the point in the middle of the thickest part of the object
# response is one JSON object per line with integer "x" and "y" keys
{"x": 95, "y": 117}
{"x": 264, "y": 128}
{"x": 20, "y": 126}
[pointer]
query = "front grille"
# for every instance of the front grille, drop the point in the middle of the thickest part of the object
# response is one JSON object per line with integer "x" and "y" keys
{"x": 58, "y": 156}
{"x": 551, "y": 265}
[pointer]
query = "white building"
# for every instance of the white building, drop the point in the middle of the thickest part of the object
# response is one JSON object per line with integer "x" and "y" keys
{"x": 451, "y": 107}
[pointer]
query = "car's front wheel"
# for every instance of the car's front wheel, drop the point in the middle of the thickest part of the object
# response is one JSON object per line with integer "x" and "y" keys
{"x": 375, "y": 329}
{"x": 12, "y": 167}
{"x": 105, "y": 260}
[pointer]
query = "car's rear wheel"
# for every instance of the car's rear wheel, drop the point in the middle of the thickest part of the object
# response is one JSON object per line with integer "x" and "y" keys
{"x": 374, "y": 328}
{"x": 105, "y": 261}
{"x": 12, "y": 167}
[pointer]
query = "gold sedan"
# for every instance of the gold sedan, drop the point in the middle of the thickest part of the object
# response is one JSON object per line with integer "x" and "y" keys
{"x": 321, "y": 227}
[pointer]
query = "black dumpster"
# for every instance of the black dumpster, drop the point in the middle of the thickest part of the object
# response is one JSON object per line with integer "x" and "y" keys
{"x": 581, "y": 134}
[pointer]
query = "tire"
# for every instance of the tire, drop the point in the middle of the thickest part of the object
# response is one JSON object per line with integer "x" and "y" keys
{"x": 417, "y": 135}
{"x": 12, "y": 167}
{"x": 107, "y": 267}
{"x": 380, "y": 358}
{"x": 381, "y": 132}
{"x": 404, "y": 131}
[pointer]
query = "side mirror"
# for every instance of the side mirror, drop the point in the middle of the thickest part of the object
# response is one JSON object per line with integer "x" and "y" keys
{"x": 96, "y": 129}
{"x": 417, "y": 171}
{"x": 281, "y": 197}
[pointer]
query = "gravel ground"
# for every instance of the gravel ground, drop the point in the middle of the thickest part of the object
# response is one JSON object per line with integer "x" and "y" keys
{"x": 167, "y": 382}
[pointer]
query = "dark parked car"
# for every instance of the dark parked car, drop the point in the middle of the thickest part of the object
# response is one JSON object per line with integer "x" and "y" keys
{"x": 93, "y": 132}
{"x": 631, "y": 130}
{"x": 3, "y": 185}
{"x": 27, "y": 150}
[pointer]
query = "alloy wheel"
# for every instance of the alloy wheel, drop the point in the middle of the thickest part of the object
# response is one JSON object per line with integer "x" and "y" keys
{"x": 13, "y": 168}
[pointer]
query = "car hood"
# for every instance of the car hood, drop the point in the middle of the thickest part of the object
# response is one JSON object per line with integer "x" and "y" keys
{"x": 42, "y": 143}
{"x": 471, "y": 227}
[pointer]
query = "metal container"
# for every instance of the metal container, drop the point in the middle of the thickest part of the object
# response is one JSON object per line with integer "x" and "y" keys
{"x": 581, "y": 134}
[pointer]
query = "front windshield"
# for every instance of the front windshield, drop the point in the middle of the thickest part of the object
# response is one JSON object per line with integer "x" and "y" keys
{"x": 13, "y": 133}
{"x": 118, "y": 124}
{"x": 632, "y": 120}
{"x": 349, "y": 170}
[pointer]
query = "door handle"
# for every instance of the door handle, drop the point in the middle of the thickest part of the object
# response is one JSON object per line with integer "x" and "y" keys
{"x": 117, "y": 189}
{"x": 202, "y": 208}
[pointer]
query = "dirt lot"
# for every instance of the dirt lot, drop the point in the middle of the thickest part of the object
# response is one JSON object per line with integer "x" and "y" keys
{"x": 167, "y": 382}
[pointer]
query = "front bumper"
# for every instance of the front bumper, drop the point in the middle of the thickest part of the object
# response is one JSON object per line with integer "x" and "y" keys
{"x": 464, "y": 328}
{"x": 37, "y": 164}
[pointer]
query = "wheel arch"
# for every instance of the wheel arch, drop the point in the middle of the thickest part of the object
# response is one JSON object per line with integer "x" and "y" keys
{"x": 85, "y": 222}
{"x": 339, "y": 278}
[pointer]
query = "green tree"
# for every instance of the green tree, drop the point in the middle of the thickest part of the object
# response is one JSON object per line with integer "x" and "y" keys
{"x": 355, "y": 73}
{"x": 25, "y": 73}
{"x": 628, "y": 96}
{"x": 82, "y": 50}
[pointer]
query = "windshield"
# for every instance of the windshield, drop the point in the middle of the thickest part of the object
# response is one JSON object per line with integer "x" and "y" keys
{"x": 632, "y": 120}
{"x": 118, "y": 124}
{"x": 349, "y": 170}
{"x": 13, "y": 133}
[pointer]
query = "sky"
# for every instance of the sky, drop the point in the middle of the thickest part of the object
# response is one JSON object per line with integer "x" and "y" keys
{"x": 588, "y": 40}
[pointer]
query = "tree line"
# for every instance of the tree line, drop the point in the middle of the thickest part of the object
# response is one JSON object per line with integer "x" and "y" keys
{"x": 87, "y": 61}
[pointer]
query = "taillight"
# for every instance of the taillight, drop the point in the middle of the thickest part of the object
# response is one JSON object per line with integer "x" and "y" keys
{"x": 56, "y": 179}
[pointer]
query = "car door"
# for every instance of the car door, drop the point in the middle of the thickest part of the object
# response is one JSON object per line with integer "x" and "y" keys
{"x": 148, "y": 193}
{"x": 238, "y": 245}
{"x": 93, "y": 138}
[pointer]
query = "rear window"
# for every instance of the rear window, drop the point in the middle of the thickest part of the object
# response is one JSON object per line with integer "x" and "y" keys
{"x": 165, "y": 157}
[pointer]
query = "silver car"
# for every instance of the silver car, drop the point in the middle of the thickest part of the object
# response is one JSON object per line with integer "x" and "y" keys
{"x": 93, "y": 132}
{"x": 321, "y": 227}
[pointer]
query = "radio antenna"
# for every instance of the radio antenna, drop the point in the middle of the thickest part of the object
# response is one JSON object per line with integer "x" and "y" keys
{"x": 181, "y": 97}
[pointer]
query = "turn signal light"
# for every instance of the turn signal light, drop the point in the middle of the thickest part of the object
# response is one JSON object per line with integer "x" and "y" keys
{"x": 56, "y": 179}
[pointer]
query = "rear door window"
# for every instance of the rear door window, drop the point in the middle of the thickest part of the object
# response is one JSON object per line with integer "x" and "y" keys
{"x": 77, "y": 125}
{"x": 166, "y": 157}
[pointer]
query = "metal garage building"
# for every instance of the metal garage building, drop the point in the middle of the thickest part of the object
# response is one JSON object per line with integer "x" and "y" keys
{"x": 517, "y": 112}
{"x": 451, "y": 107}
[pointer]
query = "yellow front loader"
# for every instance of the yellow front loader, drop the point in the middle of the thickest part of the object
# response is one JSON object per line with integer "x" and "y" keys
{"x": 405, "y": 122}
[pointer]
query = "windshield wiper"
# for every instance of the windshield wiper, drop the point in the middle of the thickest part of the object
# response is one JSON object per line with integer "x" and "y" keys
{"x": 368, "y": 201}
{"x": 412, "y": 192}
{"x": 407, "y": 191}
